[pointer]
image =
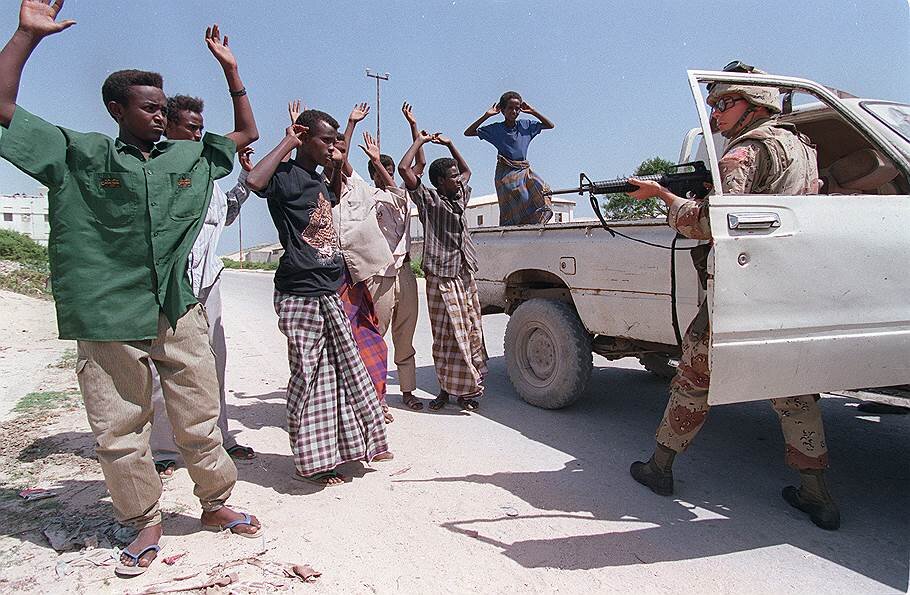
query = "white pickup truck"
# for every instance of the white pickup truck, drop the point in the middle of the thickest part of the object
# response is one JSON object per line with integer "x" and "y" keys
{"x": 809, "y": 293}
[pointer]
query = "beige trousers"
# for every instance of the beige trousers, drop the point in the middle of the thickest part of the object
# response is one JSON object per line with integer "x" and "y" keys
{"x": 395, "y": 301}
{"x": 116, "y": 386}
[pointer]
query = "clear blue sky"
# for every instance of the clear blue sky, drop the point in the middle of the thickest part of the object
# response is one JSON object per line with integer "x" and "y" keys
{"x": 611, "y": 75}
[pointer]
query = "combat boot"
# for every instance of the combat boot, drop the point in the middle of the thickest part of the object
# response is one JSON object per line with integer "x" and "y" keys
{"x": 657, "y": 472}
{"x": 813, "y": 498}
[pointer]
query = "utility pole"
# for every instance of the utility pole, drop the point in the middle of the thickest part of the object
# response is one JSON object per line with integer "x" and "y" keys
{"x": 240, "y": 236}
{"x": 378, "y": 77}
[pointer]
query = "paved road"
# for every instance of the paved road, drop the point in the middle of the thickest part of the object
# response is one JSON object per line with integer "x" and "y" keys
{"x": 516, "y": 498}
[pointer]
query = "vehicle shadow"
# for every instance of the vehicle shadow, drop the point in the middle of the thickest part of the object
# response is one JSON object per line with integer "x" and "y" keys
{"x": 728, "y": 483}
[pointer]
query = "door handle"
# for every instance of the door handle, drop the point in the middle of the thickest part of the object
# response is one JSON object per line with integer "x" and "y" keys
{"x": 753, "y": 220}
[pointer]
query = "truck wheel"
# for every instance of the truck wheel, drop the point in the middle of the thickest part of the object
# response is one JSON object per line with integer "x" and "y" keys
{"x": 659, "y": 365}
{"x": 548, "y": 353}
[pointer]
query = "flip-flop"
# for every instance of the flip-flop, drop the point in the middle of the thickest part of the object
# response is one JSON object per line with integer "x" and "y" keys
{"x": 245, "y": 520}
{"x": 319, "y": 478}
{"x": 468, "y": 404}
{"x": 440, "y": 401}
{"x": 163, "y": 465}
{"x": 136, "y": 569}
{"x": 241, "y": 453}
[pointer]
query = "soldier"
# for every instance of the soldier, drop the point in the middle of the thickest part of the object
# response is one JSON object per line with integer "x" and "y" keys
{"x": 763, "y": 156}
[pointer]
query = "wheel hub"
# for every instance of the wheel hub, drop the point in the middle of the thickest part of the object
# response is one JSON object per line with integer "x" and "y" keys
{"x": 541, "y": 353}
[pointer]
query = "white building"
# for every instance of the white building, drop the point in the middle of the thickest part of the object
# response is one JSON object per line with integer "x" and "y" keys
{"x": 27, "y": 214}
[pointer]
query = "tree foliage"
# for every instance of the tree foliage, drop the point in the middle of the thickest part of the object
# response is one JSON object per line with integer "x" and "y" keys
{"x": 623, "y": 206}
{"x": 21, "y": 248}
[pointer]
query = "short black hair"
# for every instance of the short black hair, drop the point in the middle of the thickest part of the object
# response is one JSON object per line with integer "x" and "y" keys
{"x": 439, "y": 166}
{"x": 508, "y": 96}
{"x": 183, "y": 103}
{"x": 309, "y": 118}
{"x": 116, "y": 87}
{"x": 385, "y": 160}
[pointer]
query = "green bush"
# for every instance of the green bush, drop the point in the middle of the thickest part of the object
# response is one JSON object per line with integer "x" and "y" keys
{"x": 415, "y": 266}
{"x": 236, "y": 264}
{"x": 21, "y": 248}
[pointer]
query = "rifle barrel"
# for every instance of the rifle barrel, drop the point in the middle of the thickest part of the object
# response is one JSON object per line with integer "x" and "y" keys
{"x": 576, "y": 190}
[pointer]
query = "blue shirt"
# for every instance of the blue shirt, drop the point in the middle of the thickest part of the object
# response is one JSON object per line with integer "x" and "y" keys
{"x": 511, "y": 143}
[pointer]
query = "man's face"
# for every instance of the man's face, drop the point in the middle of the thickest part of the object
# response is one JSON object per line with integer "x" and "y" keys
{"x": 448, "y": 181}
{"x": 144, "y": 114}
{"x": 512, "y": 109}
{"x": 735, "y": 107}
{"x": 184, "y": 125}
{"x": 319, "y": 143}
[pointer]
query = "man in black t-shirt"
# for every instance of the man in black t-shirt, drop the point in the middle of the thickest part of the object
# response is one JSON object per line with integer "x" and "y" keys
{"x": 333, "y": 416}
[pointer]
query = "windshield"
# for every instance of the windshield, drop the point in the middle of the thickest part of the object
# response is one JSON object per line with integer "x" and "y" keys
{"x": 895, "y": 116}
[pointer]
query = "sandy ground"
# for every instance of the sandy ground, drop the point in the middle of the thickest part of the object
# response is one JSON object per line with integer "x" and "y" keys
{"x": 507, "y": 499}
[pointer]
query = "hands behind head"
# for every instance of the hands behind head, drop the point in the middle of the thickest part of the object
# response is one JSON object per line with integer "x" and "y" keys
{"x": 38, "y": 18}
{"x": 220, "y": 49}
{"x": 370, "y": 147}
{"x": 436, "y": 138}
{"x": 525, "y": 107}
{"x": 296, "y": 132}
{"x": 494, "y": 109}
{"x": 646, "y": 189}
{"x": 244, "y": 155}
{"x": 294, "y": 110}
{"x": 359, "y": 112}
{"x": 408, "y": 114}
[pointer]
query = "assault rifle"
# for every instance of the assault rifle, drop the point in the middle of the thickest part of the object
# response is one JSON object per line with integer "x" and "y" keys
{"x": 696, "y": 182}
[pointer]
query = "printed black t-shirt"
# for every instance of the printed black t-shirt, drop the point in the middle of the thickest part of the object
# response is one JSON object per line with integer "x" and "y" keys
{"x": 301, "y": 207}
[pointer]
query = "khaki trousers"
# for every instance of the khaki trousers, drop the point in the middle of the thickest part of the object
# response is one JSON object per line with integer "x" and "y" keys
{"x": 116, "y": 385}
{"x": 800, "y": 416}
{"x": 162, "y": 440}
{"x": 395, "y": 301}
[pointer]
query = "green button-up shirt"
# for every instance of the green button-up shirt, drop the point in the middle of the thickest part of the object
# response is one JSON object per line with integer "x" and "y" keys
{"x": 122, "y": 225}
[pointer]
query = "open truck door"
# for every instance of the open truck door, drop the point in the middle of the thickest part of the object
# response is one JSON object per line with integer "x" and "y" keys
{"x": 809, "y": 293}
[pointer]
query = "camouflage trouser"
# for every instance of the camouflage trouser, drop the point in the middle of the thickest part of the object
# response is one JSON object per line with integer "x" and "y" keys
{"x": 800, "y": 417}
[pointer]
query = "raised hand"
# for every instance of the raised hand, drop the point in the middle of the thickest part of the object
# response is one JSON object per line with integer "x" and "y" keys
{"x": 296, "y": 132}
{"x": 295, "y": 109}
{"x": 408, "y": 114}
{"x": 359, "y": 112}
{"x": 244, "y": 155}
{"x": 525, "y": 107}
{"x": 38, "y": 18}
{"x": 425, "y": 137}
{"x": 494, "y": 109}
{"x": 439, "y": 139}
{"x": 220, "y": 49}
{"x": 370, "y": 147}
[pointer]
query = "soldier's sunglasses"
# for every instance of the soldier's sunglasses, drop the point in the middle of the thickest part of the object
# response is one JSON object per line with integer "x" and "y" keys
{"x": 725, "y": 103}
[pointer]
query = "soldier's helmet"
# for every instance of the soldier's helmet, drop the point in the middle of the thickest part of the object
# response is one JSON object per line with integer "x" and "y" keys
{"x": 768, "y": 97}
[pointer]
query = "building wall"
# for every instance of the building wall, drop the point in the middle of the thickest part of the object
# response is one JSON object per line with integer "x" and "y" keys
{"x": 26, "y": 214}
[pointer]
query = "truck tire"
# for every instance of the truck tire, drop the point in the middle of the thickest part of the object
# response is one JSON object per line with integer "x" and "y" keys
{"x": 659, "y": 365}
{"x": 548, "y": 353}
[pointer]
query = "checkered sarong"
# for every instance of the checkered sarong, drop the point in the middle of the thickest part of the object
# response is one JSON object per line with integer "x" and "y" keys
{"x": 459, "y": 354}
{"x": 520, "y": 192}
{"x": 332, "y": 415}
{"x": 358, "y": 306}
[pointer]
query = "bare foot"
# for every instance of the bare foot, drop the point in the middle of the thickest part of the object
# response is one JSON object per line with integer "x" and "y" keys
{"x": 384, "y": 456}
{"x": 148, "y": 536}
{"x": 386, "y": 414}
{"x": 225, "y": 515}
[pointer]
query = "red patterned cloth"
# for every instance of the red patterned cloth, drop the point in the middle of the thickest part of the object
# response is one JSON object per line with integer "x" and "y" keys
{"x": 358, "y": 306}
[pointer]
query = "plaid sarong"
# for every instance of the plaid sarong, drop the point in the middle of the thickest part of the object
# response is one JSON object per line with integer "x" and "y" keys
{"x": 521, "y": 193}
{"x": 459, "y": 354}
{"x": 358, "y": 306}
{"x": 332, "y": 415}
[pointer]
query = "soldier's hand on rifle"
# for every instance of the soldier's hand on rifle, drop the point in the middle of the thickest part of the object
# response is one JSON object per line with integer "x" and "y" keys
{"x": 646, "y": 189}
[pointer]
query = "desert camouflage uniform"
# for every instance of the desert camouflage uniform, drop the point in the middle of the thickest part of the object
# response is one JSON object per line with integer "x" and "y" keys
{"x": 766, "y": 158}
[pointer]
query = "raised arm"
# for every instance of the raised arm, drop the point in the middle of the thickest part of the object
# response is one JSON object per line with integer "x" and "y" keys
{"x": 472, "y": 129}
{"x": 262, "y": 172}
{"x": 245, "y": 131}
{"x": 370, "y": 147}
{"x": 545, "y": 122}
{"x": 359, "y": 112}
{"x": 420, "y": 162}
{"x": 37, "y": 20}
{"x": 405, "y": 169}
{"x": 463, "y": 169}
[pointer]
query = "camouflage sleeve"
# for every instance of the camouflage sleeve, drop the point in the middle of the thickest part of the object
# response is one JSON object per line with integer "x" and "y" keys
{"x": 691, "y": 219}
{"x": 743, "y": 166}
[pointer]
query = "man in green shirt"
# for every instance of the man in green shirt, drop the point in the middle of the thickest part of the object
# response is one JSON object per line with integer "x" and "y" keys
{"x": 124, "y": 214}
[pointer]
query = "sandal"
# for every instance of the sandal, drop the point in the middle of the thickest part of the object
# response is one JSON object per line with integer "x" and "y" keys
{"x": 241, "y": 453}
{"x": 135, "y": 569}
{"x": 165, "y": 465}
{"x": 468, "y": 404}
{"x": 322, "y": 479}
{"x": 411, "y": 402}
{"x": 440, "y": 401}
{"x": 246, "y": 519}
